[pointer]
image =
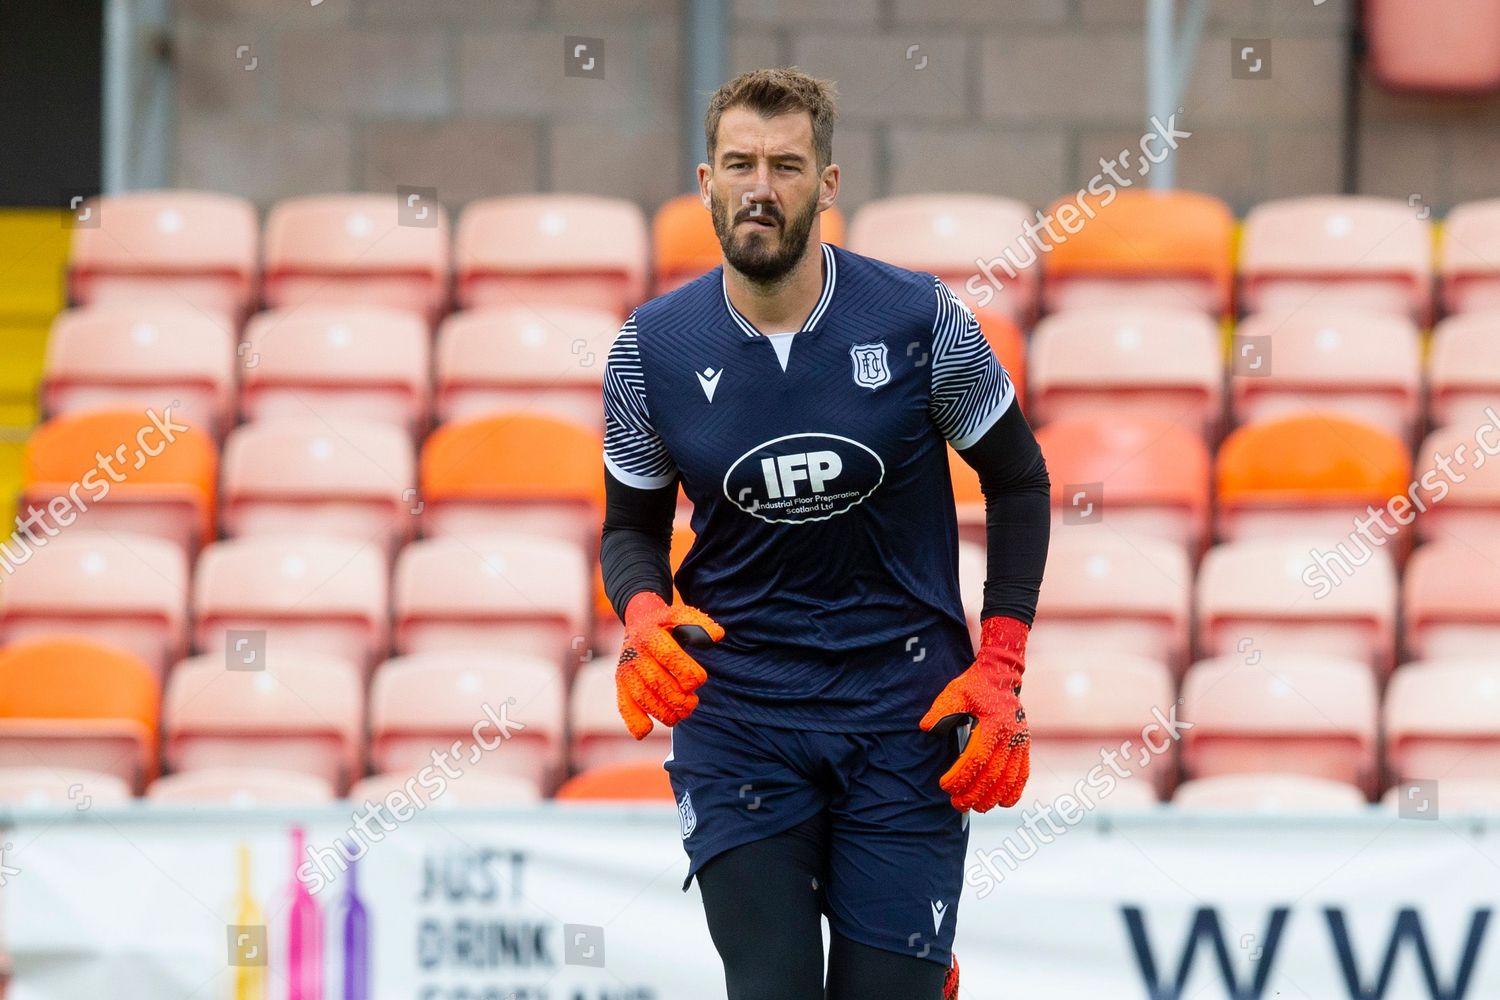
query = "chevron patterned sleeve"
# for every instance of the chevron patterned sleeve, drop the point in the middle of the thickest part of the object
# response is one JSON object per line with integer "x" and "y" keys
{"x": 970, "y": 388}
{"x": 633, "y": 452}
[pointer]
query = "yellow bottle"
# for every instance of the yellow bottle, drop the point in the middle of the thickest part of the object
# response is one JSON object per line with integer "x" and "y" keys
{"x": 249, "y": 980}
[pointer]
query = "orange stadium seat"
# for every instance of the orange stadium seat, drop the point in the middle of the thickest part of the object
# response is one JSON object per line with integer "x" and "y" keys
{"x": 322, "y": 595}
{"x": 138, "y": 356}
{"x": 1337, "y": 250}
{"x": 1442, "y": 720}
{"x": 77, "y": 704}
{"x": 1112, "y": 591}
{"x": 1162, "y": 363}
{"x": 125, "y": 591}
{"x": 1450, "y": 599}
{"x": 427, "y": 786}
{"x": 1443, "y": 48}
{"x": 300, "y": 712}
{"x": 628, "y": 781}
{"x": 1082, "y": 705}
{"x": 168, "y": 494}
{"x": 1365, "y": 365}
{"x": 335, "y": 478}
{"x": 1463, "y": 502}
{"x": 497, "y": 592}
{"x": 514, "y": 472}
{"x": 336, "y": 362}
{"x": 1463, "y": 370}
{"x": 1469, "y": 266}
{"x": 552, "y": 249}
{"x": 242, "y": 787}
{"x": 1286, "y": 713}
{"x": 1140, "y": 248}
{"x": 545, "y": 360}
{"x": 686, "y": 246}
{"x": 45, "y": 785}
{"x": 1254, "y": 599}
{"x": 356, "y": 249}
{"x": 1138, "y": 474}
{"x": 1309, "y": 474}
{"x": 428, "y": 701}
{"x": 599, "y": 737}
{"x": 192, "y": 248}
{"x": 1269, "y": 793}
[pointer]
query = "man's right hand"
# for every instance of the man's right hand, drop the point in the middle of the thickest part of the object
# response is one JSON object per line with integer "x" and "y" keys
{"x": 655, "y": 677}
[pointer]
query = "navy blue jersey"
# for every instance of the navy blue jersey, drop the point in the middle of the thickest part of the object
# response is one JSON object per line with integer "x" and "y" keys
{"x": 816, "y": 463}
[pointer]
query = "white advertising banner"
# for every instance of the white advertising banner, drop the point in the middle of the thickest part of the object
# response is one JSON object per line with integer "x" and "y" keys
{"x": 567, "y": 903}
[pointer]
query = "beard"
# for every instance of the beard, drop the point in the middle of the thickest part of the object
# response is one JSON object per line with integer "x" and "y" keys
{"x": 758, "y": 254}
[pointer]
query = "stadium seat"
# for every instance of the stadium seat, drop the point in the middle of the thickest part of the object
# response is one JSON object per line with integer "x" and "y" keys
{"x": 544, "y": 360}
{"x": 139, "y": 356}
{"x": 1140, "y": 248}
{"x": 321, "y": 595}
{"x": 1284, "y": 713}
{"x": 1442, "y": 720}
{"x": 427, "y": 702}
{"x": 357, "y": 249}
{"x": 299, "y": 711}
{"x": 1459, "y": 484}
{"x": 1463, "y": 370}
{"x": 510, "y": 593}
{"x": 1450, "y": 599}
{"x": 428, "y": 787}
{"x": 629, "y": 781}
{"x": 1107, "y": 591}
{"x": 343, "y": 478}
{"x": 77, "y": 704}
{"x": 1310, "y": 474}
{"x": 975, "y": 243}
{"x": 129, "y": 592}
{"x": 1470, "y": 257}
{"x": 1364, "y": 365}
{"x": 242, "y": 787}
{"x": 45, "y": 786}
{"x": 514, "y": 472}
{"x": 1269, "y": 793}
{"x": 336, "y": 362}
{"x": 1448, "y": 48}
{"x": 1338, "y": 250}
{"x": 552, "y": 249}
{"x": 1461, "y": 794}
{"x": 1160, "y": 363}
{"x": 599, "y": 736}
{"x": 686, "y": 246}
{"x": 1260, "y": 598}
{"x": 1137, "y": 474}
{"x": 1085, "y": 705}
{"x": 192, "y": 248}
{"x": 151, "y": 484}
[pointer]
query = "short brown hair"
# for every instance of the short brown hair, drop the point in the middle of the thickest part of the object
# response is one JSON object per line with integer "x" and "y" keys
{"x": 770, "y": 92}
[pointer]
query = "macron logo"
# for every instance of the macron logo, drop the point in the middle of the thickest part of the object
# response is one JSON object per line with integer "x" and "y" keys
{"x": 709, "y": 379}
{"x": 939, "y": 911}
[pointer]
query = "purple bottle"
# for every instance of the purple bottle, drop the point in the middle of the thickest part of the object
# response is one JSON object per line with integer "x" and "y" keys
{"x": 356, "y": 925}
{"x": 304, "y": 937}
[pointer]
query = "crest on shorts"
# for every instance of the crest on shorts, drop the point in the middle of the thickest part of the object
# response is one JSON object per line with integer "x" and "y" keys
{"x": 871, "y": 368}
{"x": 687, "y": 815}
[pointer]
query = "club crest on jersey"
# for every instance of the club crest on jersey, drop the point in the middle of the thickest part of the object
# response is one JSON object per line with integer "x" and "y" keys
{"x": 871, "y": 367}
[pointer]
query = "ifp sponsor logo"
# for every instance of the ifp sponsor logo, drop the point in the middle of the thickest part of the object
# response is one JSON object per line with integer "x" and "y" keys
{"x": 803, "y": 477}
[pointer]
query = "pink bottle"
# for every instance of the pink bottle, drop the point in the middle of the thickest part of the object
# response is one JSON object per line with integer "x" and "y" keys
{"x": 304, "y": 946}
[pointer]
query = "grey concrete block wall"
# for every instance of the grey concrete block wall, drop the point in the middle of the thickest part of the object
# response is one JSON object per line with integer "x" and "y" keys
{"x": 1016, "y": 97}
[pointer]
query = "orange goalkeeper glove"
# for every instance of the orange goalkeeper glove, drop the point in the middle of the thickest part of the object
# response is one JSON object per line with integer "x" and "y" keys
{"x": 995, "y": 763}
{"x": 655, "y": 677}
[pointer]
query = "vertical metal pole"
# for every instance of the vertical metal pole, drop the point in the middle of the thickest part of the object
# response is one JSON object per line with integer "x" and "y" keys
{"x": 705, "y": 39}
{"x": 118, "y": 113}
{"x": 1161, "y": 19}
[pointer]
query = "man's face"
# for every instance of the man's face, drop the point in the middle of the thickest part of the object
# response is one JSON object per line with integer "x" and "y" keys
{"x": 765, "y": 190}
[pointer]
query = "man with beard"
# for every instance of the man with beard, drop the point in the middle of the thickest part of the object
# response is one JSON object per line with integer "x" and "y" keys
{"x": 834, "y": 724}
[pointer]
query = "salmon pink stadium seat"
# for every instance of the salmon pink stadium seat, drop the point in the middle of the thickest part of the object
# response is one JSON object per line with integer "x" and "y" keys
{"x": 299, "y": 712}
{"x": 1140, "y": 248}
{"x": 1450, "y": 599}
{"x": 685, "y": 245}
{"x": 1269, "y": 793}
{"x": 77, "y": 704}
{"x": 357, "y": 249}
{"x": 1337, "y": 250}
{"x": 545, "y": 360}
{"x": 1286, "y": 713}
{"x": 552, "y": 249}
{"x": 599, "y": 737}
{"x": 1449, "y": 48}
{"x": 45, "y": 785}
{"x": 336, "y": 362}
{"x": 1463, "y": 370}
{"x": 192, "y": 248}
{"x": 628, "y": 781}
{"x": 426, "y": 786}
{"x": 1470, "y": 256}
{"x": 242, "y": 787}
{"x": 1459, "y": 483}
{"x": 1442, "y": 720}
{"x": 141, "y": 356}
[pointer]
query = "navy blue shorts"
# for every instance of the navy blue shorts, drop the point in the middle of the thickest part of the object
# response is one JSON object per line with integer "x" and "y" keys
{"x": 896, "y": 848}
